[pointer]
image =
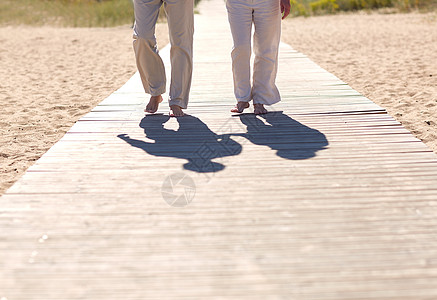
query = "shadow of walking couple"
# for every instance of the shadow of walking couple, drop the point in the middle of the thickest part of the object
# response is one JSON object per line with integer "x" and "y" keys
{"x": 196, "y": 143}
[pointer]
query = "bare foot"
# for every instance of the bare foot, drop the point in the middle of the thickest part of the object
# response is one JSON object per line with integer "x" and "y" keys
{"x": 153, "y": 104}
{"x": 259, "y": 109}
{"x": 240, "y": 107}
{"x": 176, "y": 111}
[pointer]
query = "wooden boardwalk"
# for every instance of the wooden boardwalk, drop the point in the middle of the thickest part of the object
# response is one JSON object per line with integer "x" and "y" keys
{"x": 327, "y": 197}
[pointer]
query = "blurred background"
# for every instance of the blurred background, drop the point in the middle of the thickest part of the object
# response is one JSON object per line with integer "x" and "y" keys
{"x": 107, "y": 13}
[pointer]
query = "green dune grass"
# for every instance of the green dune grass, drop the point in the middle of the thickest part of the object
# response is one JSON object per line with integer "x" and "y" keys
{"x": 76, "y": 13}
{"x": 107, "y": 13}
{"x": 318, "y": 7}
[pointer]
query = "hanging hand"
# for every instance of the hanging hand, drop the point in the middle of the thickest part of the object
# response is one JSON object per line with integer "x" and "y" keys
{"x": 285, "y": 8}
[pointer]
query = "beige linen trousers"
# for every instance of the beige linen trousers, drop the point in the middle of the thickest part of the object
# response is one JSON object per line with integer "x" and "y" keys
{"x": 180, "y": 21}
{"x": 265, "y": 15}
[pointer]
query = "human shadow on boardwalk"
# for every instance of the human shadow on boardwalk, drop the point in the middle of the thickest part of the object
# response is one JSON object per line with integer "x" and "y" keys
{"x": 193, "y": 141}
{"x": 290, "y": 139}
{"x": 196, "y": 143}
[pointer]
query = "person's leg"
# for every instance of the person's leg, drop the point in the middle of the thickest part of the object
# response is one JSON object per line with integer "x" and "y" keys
{"x": 240, "y": 20}
{"x": 267, "y": 21}
{"x": 149, "y": 63}
{"x": 180, "y": 18}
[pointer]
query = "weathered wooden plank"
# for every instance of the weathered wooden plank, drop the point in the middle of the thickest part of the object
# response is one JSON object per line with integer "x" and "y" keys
{"x": 332, "y": 199}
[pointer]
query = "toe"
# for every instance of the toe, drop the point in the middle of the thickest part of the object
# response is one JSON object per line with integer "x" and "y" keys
{"x": 240, "y": 107}
{"x": 176, "y": 111}
{"x": 259, "y": 109}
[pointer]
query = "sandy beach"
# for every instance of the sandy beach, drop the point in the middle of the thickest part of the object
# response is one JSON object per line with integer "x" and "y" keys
{"x": 53, "y": 76}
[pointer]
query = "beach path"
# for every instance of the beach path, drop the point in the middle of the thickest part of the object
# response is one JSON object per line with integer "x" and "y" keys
{"x": 325, "y": 197}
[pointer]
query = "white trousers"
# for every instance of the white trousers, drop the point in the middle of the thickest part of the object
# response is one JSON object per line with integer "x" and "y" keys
{"x": 265, "y": 15}
{"x": 180, "y": 21}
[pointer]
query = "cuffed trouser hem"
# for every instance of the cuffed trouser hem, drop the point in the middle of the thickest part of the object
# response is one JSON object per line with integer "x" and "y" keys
{"x": 178, "y": 102}
{"x": 264, "y": 102}
{"x": 155, "y": 93}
